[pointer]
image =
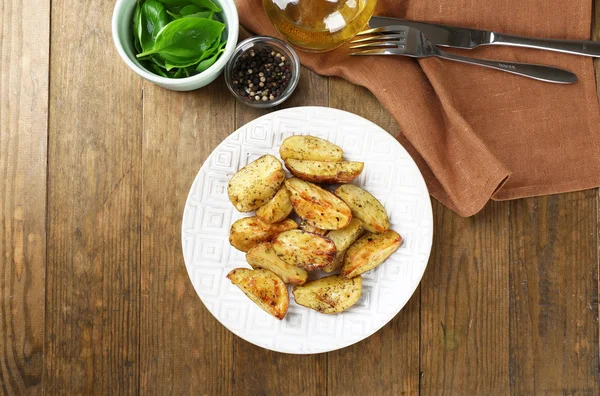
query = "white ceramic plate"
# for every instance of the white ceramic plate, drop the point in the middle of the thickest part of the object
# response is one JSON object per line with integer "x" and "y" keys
{"x": 390, "y": 174}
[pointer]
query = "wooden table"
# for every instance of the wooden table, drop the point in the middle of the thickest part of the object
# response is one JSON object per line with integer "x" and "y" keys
{"x": 94, "y": 297}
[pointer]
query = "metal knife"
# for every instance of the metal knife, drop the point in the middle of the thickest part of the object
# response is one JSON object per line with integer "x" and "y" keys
{"x": 458, "y": 37}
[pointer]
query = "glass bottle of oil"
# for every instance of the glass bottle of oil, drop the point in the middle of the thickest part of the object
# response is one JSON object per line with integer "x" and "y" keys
{"x": 319, "y": 25}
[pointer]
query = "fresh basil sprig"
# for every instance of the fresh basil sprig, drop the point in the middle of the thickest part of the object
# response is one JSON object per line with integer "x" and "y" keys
{"x": 177, "y": 38}
{"x": 153, "y": 17}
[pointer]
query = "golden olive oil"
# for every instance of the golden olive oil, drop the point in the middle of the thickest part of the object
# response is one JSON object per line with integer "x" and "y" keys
{"x": 319, "y": 25}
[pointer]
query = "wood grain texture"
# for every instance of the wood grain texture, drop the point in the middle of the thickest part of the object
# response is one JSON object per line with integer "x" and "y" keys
{"x": 554, "y": 295}
{"x": 184, "y": 349}
{"x": 464, "y": 304}
{"x": 93, "y": 274}
{"x": 387, "y": 363}
{"x": 596, "y": 37}
{"x": 258, "y": 371}
{"x": 24, "y": 66}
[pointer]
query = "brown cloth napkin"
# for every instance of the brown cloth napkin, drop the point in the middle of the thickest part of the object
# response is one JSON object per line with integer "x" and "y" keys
{"x": 477, "y": 133}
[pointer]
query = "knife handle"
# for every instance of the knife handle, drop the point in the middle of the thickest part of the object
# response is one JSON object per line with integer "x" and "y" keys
{"x": 577, "y": 47}
{"x": 537, "y": 72}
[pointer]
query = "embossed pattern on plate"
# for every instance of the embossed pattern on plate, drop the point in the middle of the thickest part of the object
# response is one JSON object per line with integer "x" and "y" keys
{"x": 390, "y": 174}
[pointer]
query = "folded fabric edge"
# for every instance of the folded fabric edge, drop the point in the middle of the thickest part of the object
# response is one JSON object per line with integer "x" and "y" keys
{"x": 541, "y": 190}
{"x": 495, "y": 183}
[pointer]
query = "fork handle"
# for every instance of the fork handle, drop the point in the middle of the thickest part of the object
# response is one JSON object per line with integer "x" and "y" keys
{"x": 537, "y": 72}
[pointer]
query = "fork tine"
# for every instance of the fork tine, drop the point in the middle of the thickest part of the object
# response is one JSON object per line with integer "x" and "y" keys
{"x": 383, "y": 29}
{"x": 383, "y": 44}
{"x": 380, "y": 51}
{"x": 396, "y": 37}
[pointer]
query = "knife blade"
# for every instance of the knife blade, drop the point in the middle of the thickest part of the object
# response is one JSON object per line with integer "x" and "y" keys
{"x": 459, "y": 37}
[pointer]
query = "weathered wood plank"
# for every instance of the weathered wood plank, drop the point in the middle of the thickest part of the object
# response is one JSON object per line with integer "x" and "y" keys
{"x": 94, "y": 174}
{"x": 554, "y": 295}
{"x": 184, "y": 350}
{"x": 24, "y": 66}
{"x": 387, "y": 363}
{"x": 464, "y": 304}
{"x": 258, "y": 371}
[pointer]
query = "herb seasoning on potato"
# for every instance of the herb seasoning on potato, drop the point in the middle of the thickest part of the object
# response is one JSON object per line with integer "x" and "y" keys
{"x": 329, "y": 295}
{"x": 263, "y": 256}
{"x": 331, "y": 228}
{"x": 343, "y": 239}
{"x": 263, "y": 287}
{"x": 304, "y": 226}
{"x": 248, "y": 232}
{"x": 324, "y": 171}
{"x": 365, "y": 207}
{"x": 256, "y": 183}
{"x": 318, "y": 207}
{"x": 304, "y": 249}
{"x": 309, "y": 148}
{"x": 369, "y": 252}
{"x": 277, "y": 209}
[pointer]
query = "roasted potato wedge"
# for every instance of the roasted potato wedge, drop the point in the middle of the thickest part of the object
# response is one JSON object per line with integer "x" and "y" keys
{"x": 256, "y": 183}
{"x": 248, "y": 232}
{"x": 343, "y": 239}
{"x": 277, "y": 209}
{"x": 263, "y": 256}
{"x": 369, "y": 251}
{"x": 329, "y": 295}
{"x": 263, "y": 287}
{"x": 304, "y": 226}
{"x": 364, "y": 207}
{"x": 309, "y": 148}
{"x": 304, "y": 249}
{"x": 317, "y": 206}
{"x": 324, "y": 171}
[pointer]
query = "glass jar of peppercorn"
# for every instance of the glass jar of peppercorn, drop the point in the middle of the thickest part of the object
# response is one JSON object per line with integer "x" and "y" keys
{"x": 263, "y": 72}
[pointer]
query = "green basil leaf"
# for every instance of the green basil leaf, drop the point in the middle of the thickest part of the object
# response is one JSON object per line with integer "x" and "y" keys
{"x": 202, "y": 14}
{"x": 179, "y": 73}
{"x": 174, "y": 15}
{"x": 211, "y": 50}
{"x": 158, "y": 70}
{"x": 183, "y": 41}
{"x": 205, "y": 64}
{"x": 173, "y": 9}
{"x": 156, "y": 60}
{"x": 137, "y": 33}
{"x": 190, "y": 70}
{"x": 189, "y": 9}
{"x": 153, "y": 18}
{"x": 200, "y": 3}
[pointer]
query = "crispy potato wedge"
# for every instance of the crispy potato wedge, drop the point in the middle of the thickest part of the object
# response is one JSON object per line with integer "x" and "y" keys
{"x": 264, "y": 288}
{"x": 369, "y": 251}
{"x": 248, "y": 232}
{"x": 364, "y": 207}
{"x": 323, "y": 171}
{"x": 309, "y": 148}
{"x": 343, "y": 239}
{"x": 277, "y": 209}
{"x": 329, "y": 295}
{"x": 304, "y": 249}
{"x": 256, "y": 183}
{"x": 317, "y": 206}
{"x": 263, "y": 256}
{"x": 304, "y": 226}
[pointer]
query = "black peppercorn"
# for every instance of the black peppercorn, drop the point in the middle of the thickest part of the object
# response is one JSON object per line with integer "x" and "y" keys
{"x": 261, "y": 74}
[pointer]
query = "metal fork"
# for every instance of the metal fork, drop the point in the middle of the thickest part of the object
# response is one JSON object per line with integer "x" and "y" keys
{"x": 411, "y": 42}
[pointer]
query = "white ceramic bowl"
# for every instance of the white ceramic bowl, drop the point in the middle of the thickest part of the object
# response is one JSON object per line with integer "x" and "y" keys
{"x": 122, "y": 32}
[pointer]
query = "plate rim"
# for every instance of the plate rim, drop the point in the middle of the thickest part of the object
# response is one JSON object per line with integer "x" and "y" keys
{"x": 392, "y": 316}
